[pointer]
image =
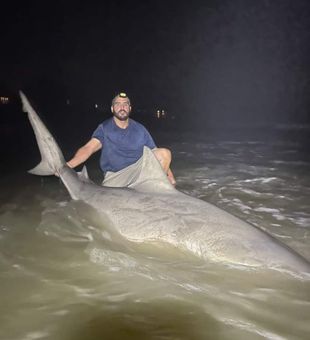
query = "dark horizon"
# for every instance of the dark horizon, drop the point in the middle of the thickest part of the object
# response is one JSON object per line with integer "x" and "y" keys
{"x": 212, "y": 63}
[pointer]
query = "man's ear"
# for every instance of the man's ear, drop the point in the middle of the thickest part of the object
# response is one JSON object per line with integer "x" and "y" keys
{"x": 112, "y": 109}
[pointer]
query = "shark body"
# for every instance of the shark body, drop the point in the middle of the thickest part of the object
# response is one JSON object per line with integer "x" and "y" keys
{"x": 154, "y": 211}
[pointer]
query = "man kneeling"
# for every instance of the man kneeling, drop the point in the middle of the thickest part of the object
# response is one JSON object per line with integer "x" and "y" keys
{"x": 121, "y": 140}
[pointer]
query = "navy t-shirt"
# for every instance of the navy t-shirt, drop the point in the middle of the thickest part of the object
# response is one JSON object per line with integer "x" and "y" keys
{"x": 121, "y": 147}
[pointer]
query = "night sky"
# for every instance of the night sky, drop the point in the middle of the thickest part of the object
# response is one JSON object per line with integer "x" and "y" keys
{"x": 211, "y": 62}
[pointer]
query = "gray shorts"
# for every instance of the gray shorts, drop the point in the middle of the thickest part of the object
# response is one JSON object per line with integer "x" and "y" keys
{"x": 125, "y": 177}
{"x": 146, "y": 175}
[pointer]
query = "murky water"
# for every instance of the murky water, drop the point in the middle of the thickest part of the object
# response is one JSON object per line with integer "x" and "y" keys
{"x": 65, "y": 273}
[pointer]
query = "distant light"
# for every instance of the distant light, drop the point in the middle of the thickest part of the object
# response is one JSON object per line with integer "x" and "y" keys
{"x": 161, "y": 114}
{"x": 96, "y": 106}
{"x": 68, "y": 102}
{"x": 4, "y": 100}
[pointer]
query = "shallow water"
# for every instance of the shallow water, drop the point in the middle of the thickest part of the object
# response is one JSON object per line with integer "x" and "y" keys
{"x": 66, "y": 273}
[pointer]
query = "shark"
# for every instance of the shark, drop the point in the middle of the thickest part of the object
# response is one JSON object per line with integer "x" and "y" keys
{"x": 152, "y": 210}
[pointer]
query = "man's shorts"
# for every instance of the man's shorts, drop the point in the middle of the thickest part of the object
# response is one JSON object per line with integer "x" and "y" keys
{"x": 124, "y": 177}
{"x": 144, "y": 175}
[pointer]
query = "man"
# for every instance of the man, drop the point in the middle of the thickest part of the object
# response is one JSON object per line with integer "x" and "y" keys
{"x": 121, "y": 140}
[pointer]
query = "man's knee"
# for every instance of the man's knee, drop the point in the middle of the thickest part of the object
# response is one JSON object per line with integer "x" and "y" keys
{"x": 163, "y": 154}
{"x": 164, "y": 157}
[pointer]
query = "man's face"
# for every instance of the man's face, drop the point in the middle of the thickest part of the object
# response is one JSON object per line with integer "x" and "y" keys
{"x": 121, "y": 108}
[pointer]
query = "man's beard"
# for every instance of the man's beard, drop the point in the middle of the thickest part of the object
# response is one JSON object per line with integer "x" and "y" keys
{"x": 120, "y": 116}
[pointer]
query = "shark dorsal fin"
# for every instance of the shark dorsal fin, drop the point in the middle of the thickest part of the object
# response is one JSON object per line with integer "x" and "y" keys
{"x": 83, "y": 175}
{"x": 146, "y": 175}
{"x": 152, "y": 177}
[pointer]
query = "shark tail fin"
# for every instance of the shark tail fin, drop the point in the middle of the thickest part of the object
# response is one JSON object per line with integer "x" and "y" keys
{"x": 42, "y": 169}
{"x": 52, "y": 157}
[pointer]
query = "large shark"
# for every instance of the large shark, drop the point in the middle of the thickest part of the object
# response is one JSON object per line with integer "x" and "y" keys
{"x": 154, "y": 211}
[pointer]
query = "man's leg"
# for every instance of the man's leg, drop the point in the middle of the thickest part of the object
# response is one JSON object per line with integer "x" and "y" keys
{"x": 164, "y": 157}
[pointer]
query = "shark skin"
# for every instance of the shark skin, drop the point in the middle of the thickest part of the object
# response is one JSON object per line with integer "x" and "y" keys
{"x": 154, "y": 211}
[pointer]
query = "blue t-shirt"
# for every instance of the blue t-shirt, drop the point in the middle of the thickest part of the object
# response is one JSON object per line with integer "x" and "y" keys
{"x": 121, "y": 147}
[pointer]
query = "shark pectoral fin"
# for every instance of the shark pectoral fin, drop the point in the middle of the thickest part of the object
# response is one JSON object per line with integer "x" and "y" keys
{"x": 42, "y": 169}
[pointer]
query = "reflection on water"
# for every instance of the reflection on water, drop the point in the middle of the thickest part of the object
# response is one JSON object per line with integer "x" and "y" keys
{"x": 67, "y": 274}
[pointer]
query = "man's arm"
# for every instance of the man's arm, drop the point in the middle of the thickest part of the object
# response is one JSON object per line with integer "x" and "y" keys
{"x": 85, "y": 152}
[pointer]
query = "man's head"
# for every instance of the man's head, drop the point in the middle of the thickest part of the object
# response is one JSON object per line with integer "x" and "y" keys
{"x": 121, "y": 107}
